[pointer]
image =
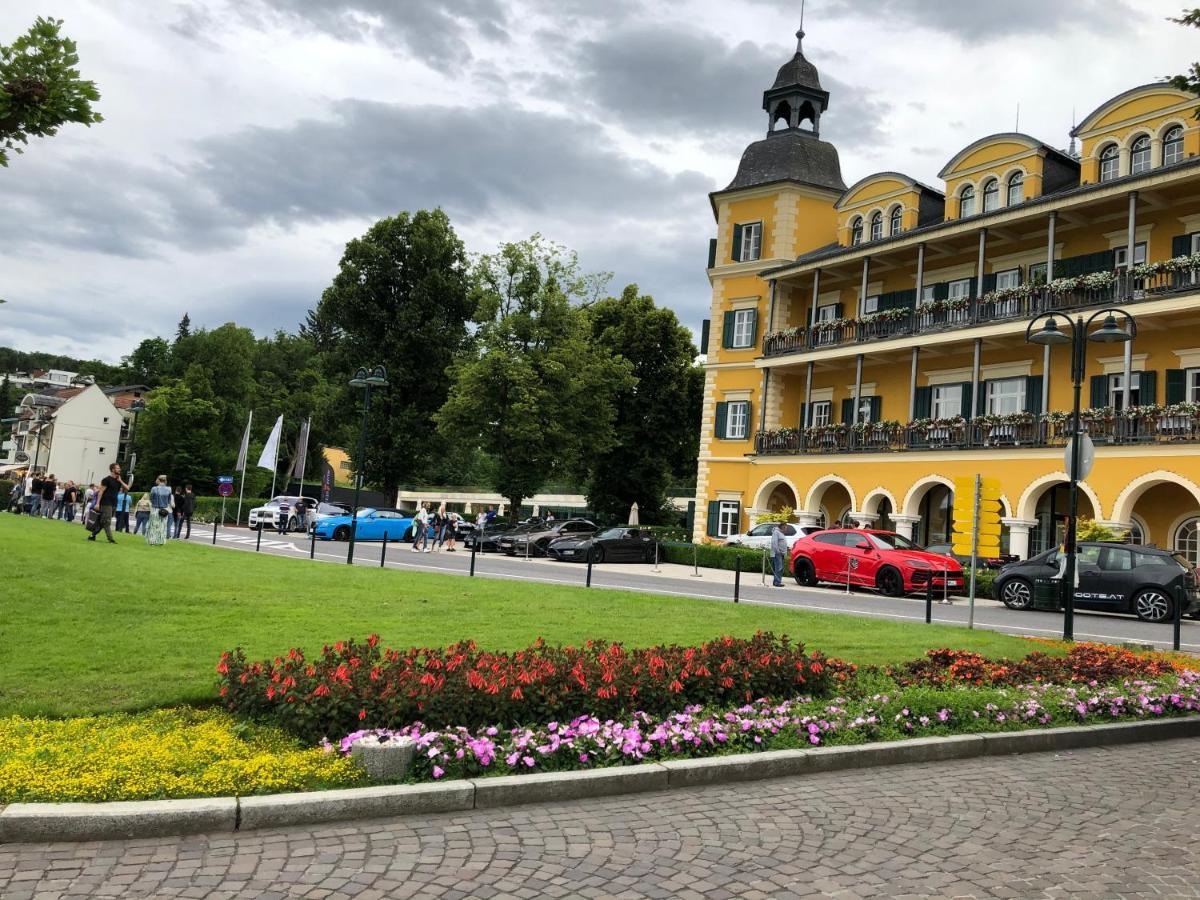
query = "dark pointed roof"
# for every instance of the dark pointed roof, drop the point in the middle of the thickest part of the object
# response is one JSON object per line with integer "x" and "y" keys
{"x": 789, "y": 156}
{"x": 798, "y": 71}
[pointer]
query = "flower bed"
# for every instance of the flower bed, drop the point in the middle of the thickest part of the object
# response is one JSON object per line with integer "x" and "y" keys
{"x": 359, "y": 682}
{"x": 1089, "y": 663}
{"x": 165, "y": 753}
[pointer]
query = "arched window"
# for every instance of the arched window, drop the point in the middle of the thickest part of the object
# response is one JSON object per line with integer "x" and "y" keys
{"x": 991, "y": 195}
{"x": 896, "y": 226}
{"x": 1110, "y": 162}
{"x": 1016, "y": 188}
{"x": 856, "y": 230}
{"x": 1139, "y": 155}
{"x": 1173, "y": 146}
{"x": 1137, "y": 531}
{"x": 1187, "y": 540}
{"x": 877, "y": 226}
{"x": 966, "y": 202}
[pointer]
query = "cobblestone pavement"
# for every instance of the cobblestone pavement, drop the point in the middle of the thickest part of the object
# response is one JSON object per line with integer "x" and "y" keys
{"x": 1111, "y": 822}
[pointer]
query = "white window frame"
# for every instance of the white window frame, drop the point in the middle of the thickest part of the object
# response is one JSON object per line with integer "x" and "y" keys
{"x": 877, "y": 227}
{"x": 1139, "y": 254}
{"x": 1015, "y": 180}
{"x": 1191, "y": 385}
{"x": 896, "y": 220}
{"x": 737, "y": 420}
{"x": 995, "y": 204}
{"x": 822, "y": 412}
{"x": 743, "y": 329}
{"x": 1188, "y": 535}
{"x": 965, "y": 198}
{"x": 1110, "y": 165}
{"x": 959, "y": 289}
{"x": 729, "y": 518}
{"x": 856, "y": 231}
{"x": 863, "y": 413}
{"x": 1176, "y": 145}
{"x": 1116, "y": 389}
{"x": 1008, "y": 278}
{"x": 1005, "y": 395}
{"x": 1035, "y": 270}
{"x": 826, "y": 313}
{"x": 751, "y": 248}
{"x": 1138, "y": 166}
{"x": 947, "y": 401}
{"x": 926, "y": 295}
{"x": 869, "y": 305}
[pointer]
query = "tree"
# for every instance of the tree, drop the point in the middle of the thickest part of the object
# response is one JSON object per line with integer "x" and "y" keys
{"x": 177, "y": 434}
{"x": 40, "y": 88}
{"x": 532, "y": 390}
{"x": 655, "y": 435}
{"x": 184, "y": 329}
{"x": 8, "y": 400}
{"x": 401, "y": 299}
{"x": 1190, "y": 80}
{"x": 149, "y": 363}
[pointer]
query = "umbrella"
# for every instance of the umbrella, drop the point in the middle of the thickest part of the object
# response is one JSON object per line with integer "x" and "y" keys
{"x": 633, "y": 514}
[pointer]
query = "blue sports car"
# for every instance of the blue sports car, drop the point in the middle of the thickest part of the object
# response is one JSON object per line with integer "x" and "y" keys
{"x": 372, "y": 523}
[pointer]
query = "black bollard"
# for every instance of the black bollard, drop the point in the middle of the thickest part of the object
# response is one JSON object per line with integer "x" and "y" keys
{"x": 737, "y": 576}
{"x": 474, "y": 548}
{"x": 258, "y": 540}
{"x": 589, "y": 571}
{"x": 312, "y": 546}
{"x": 214, "y": 532}
{"x": 1180, "y": 599}
{"x": 383, "y": 551}
{"x": 929, "y": 602}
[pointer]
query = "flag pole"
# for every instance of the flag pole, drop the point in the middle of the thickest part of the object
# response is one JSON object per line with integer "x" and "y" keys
{"x": 242, "y": 481}
{"x": 275, "y": 467}
{"x": 303, "y": 458}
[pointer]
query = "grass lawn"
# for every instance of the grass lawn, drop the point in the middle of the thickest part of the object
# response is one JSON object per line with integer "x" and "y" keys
{"x": 88, "y": 627}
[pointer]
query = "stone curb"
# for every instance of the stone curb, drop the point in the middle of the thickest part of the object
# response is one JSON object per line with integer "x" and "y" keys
{"x": 44, "y": 822}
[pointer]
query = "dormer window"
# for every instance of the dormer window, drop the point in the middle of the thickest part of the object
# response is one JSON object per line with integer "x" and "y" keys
{"x": 896, "y": 226}
{"x": 1173, "y": 146}
{"x": 856, "y": 230}
{"x": 1016, "y": 188}
{"x": 877, "y": 227}
{"x": 991, "y": 195}
{"x": 966, "y": 202}
{"x": 1110, "y": 163}
{"x": 1139, "y": 155}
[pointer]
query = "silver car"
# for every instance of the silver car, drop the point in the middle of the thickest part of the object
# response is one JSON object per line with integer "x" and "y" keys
{"x": 759, "y": 537}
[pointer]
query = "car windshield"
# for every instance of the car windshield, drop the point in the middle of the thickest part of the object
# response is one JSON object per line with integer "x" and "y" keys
{"x": 887, "y": 541}
{"x": 365, "y": 510}
{"x": 612, "y": 533}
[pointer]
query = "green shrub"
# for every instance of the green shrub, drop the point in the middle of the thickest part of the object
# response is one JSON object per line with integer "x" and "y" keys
{"x": 6, "y": 486}
{"x": 208, "y": 509}
{"x": 713, "y": 556}
{"x": 984, "y": 579}
{"x": 668, "y": 533}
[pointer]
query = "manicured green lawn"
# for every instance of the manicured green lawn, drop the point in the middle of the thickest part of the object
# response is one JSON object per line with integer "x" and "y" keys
{"x": 88, "y": 627}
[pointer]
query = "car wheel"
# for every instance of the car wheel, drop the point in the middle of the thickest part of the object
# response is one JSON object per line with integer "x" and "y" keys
{"x": 341, "y": 533}
{"x": 804, "y": 573}
{"x": 890, "y": 582}
{"x": 1017, "y": 593}
{"x": 292, "y": 525}
{"x": 597, "y": 554}
{"x": 1152, "y": 605}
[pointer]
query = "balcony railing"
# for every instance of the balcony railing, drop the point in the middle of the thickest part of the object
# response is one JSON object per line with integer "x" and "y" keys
{"x": 988, "y": 432}
{"x": 1023, "y": 302}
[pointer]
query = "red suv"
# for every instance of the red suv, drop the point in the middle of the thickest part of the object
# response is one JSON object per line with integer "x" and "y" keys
{"x": 876, "y": 559}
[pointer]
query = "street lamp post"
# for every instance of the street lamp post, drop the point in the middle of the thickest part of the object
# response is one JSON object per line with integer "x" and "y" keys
{"x": 1049, "y": 334}
{"x": 136, "y": 408}
{"x": 377, "y": 377}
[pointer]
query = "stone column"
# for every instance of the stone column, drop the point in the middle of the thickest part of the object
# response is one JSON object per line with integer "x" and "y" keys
{"x": 906, "y": 526}
{"x": 804, "y": 517}
{"x": 1018, "y": 535}
{"x": 862, "y": 519}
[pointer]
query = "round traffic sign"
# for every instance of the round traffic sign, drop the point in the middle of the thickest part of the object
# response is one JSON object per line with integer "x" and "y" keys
{"x": 225, "y": 489}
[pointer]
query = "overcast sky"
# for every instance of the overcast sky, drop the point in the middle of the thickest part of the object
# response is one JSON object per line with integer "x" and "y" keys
{"x": 245, "y": 142}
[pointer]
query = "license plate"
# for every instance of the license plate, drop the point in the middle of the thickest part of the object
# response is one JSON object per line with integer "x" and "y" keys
{"x": 567, "y": 552}
{"x": 954, "y": 582}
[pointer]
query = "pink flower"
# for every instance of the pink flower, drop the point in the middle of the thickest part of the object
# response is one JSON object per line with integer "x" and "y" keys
{"x": 438, "y": 771}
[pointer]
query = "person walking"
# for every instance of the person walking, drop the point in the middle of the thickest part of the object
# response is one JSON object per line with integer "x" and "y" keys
{"x": 106, "y": 502}
{"x": 421, "y": 526}
{"x": 161, "y": 501}
{"x": 124, "y": 503}
{"x": 187, "y": 501}
{"x": 141, "y": 514}
{"x": 779, "y": 549}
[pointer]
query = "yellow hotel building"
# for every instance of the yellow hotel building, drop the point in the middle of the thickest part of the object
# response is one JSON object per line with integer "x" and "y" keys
{"x": 868, "y": 343}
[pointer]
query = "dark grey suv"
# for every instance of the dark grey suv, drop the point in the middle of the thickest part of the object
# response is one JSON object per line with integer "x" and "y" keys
{"x": 1118, "y": 578}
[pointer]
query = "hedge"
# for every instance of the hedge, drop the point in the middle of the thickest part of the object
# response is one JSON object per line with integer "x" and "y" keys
{"x": 715, "y": 556}
{"x": 208, "y": 509}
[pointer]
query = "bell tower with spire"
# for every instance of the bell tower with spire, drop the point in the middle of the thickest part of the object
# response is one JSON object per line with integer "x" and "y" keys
{"x": 796, "y": 96}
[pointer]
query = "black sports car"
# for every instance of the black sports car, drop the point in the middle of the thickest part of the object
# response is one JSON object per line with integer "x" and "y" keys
{"x": 1117, "y": 578}
{"x": 489, "y": 538}
{"x": 535, "y": 540}
{"x": 624, "y": 544}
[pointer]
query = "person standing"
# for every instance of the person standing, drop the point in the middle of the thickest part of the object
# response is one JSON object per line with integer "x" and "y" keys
{"x": 491, "y": 515}
{"x": 141, "y": 514}
{"x": 779, "y": 549}
{"x": 124, "y": 502}
{"x": 56, "y": 502}
{"x": 452, "y": 521}
{"x": 161, "y": 501}
{"x": 421, "y": 529}
{"x": 281, "y": 516}
{"x": 439, "y": 527}
{"x": 106, "y": 502}
{"x": 49, "y": 486}
{"x": 187, "y": 502}
{"x": 36, "y": 484}
{"x": 89, "y": 499}
{"x": 17, "y": 496}
{"x": 70, "y": 501}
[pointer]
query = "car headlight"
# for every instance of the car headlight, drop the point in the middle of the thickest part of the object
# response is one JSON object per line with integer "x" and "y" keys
{"x": 918, "y": 564}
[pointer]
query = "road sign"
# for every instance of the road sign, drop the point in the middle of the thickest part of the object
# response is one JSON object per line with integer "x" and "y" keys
{"x": 1087, "y": 456}
{"x": 225, "y": 489}
{"x": 224, "y": 479}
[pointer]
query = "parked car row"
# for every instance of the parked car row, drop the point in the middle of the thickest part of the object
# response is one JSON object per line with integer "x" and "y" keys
{"x": 572, "y": 540}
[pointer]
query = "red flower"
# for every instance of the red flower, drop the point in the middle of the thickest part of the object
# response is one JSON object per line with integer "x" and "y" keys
{"x": 362, "y": 714}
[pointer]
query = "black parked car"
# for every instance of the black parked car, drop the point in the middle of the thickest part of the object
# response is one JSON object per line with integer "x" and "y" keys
{"x": 489, "y": 539}
{"x": 625, "y": 544}
{"x": 1112, "y": 578}
{"x": 534, "y": 540}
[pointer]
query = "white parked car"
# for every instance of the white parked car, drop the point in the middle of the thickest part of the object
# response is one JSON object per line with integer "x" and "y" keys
{"x": 759, "y": 537}
{"x": 268, "y": 514}
{"x": 325, "y": 511}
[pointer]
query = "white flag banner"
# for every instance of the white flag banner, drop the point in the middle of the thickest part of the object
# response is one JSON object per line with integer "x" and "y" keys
{"x": 245, "y": 448}
{"x": 301, "y": 451}
{"x": 270, "y": 451}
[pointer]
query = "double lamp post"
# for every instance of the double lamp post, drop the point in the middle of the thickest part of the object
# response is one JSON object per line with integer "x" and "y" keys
{"x": 375, "y": 378}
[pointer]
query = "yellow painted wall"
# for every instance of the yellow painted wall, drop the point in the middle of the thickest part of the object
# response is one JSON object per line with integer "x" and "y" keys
{"x": 1146, "y": 112}
{"x": 996, "y": 160}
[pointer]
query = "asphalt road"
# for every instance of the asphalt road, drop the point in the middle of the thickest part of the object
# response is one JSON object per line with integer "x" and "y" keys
{"x": 715, "y": 585}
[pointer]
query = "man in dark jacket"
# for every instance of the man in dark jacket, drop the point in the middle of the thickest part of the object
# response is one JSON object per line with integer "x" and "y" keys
{"x": 187, "y": 506}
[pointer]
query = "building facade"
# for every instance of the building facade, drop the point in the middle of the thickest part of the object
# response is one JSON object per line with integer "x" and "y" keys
{"x": 74, "y": 434}
{"x": 869, "y": 342}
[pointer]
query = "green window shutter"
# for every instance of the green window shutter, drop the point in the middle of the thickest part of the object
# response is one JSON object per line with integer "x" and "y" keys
{"x": 989, "y": 282}
{"x": 803, "y": 415}
{"x": 923, "y": 403}
{"x": 1099, "y": 391}
{"x": 1147, "y": 388}
{"x": 750, "y": 429}
{"x": 735, "y": 252}
{"x": 1033, "y": 394}
{"x": 754, "y": 328}
{"x": 712, "y": 252}
{"x": 1176, "y": 385}
{"x": 848, "y": 411}
{"x": 981, "y": 398}
{"x": 839, "y": 310}
{"x": 905, "y": 299}
{"x": 968, "y": 390}
{"x": 705, "y": 326}
{"x": 719, "y": 428}
{"x": 941, "y": 290}
{"x": 971, "y": 292}
{"x": 714, "y": 517}
{"x": 1181, "y": 245}
{"x": 886, "y": 300}
{"x": 727, "y": 330}
{"x": 876, "y": 408}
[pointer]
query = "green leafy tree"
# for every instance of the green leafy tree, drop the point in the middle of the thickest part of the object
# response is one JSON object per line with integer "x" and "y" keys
{"x": 400, "y": 298}
{"x": 40, "y": 87}
{"x": 149, "y": 363}
{"x": 178, "y": 433}
{"x": 1189, "y": 80}
{"x": 8, "y": 401}
{"x": 533, "y": 390}
{"x": 184, "y": 329}
{"x": 656, "y": 431}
